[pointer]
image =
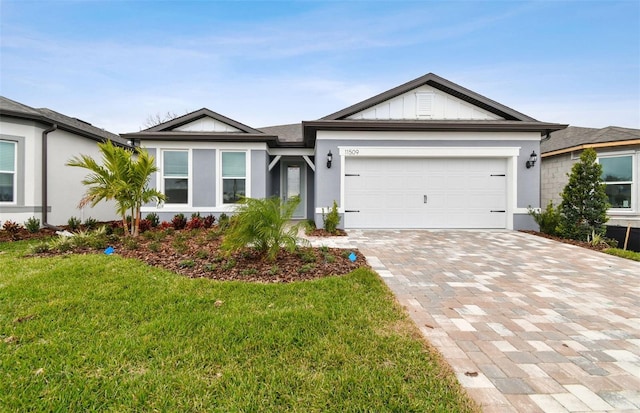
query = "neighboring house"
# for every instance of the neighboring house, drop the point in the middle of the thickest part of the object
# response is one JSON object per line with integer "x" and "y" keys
{"x": 426, "y": 154}
{"x": 618, "y": 152}
{"x": 35, "y": 144}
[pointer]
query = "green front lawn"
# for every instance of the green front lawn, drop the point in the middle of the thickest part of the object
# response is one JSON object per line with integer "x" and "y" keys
{"x": 618, "y": 252}
{"x": 96, "y": 332}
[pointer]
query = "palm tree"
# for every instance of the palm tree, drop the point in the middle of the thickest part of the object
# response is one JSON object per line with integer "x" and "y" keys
{"x": 121, "y": 178}
{"x": 141, "y": 168}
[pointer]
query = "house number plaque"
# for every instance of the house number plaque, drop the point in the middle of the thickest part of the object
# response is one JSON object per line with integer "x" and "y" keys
{"x": 352, "y": 152}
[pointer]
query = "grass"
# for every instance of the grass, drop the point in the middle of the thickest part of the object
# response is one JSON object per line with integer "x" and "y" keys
{"x": 97, "y": 332}
{"x": 630, "y": 255}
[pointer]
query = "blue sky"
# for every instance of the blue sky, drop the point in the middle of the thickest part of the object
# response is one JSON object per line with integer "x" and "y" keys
{"x": 114, "y": 63}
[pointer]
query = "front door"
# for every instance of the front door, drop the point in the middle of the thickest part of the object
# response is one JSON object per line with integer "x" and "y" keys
{"x": 293, "y": 185}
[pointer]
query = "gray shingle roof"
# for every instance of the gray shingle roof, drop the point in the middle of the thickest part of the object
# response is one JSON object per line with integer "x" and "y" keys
{"x": 575, "y": 136}
{"x": 10, "y": 107}
{"x": 286, "y": 133}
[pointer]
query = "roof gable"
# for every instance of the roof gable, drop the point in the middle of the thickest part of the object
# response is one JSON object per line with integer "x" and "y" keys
{"x": 450, "y": 100}
{"x": 203, "y": 120}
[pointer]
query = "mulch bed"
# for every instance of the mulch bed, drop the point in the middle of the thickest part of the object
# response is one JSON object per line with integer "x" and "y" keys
{"x": 582, "y": 244}
{"x": 197, "y": 254}
{"x": 319, "y": 232}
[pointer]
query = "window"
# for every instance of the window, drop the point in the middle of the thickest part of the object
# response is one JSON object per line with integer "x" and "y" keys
{"x": 617, "y": 175}
{"x": 234, "y": 176}
{"x": 7, "y": 171}
{"x": 175, "y": 170}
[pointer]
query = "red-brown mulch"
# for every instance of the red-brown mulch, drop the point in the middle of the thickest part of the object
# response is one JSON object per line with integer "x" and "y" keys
{"x": 582, "y": 244}
{"x": 23, "y": 234}
{"x": 320, "y": 232}
{"x": 197, "y": 254}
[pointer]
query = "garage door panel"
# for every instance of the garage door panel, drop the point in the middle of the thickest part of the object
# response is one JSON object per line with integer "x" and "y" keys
{"x": 460, "y": 193}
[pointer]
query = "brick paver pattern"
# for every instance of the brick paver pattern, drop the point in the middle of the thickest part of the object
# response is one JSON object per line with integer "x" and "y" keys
{"x": 527, "y": 324}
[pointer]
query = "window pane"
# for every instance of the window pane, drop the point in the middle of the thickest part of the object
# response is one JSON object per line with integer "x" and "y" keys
{"x": 176, "y": 190}
{"x": 232, "y": 190}
{"x": 233, "y": 164}
{"x": 616, "y": 169}
{"x": 176, "y": 163}
{"x": 6, "y": 187}
{"x": 619, "y": 195}
{"x": 7, "y": 156}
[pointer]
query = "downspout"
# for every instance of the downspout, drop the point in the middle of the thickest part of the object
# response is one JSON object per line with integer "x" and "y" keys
{"x": 44, "y": 175}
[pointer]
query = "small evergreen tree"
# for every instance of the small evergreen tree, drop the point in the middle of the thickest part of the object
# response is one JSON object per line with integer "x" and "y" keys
{"x": 584, "y": 200}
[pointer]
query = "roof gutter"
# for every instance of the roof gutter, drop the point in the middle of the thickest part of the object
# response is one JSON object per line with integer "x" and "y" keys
{"x": 45, "y": 202}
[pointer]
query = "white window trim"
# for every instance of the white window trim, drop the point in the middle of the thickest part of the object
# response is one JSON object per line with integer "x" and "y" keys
{"x": 14, "y": 172}
{"x": 247, "y": 178}
{"x": 161, "y": 177}
{"x": 635, "y": 184}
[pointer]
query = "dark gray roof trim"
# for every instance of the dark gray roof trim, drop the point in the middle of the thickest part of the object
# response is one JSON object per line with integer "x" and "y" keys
{"x": 575, "y": 136}
{"x": 202, "y": 136}
{"x": 438, "y": 83}
{"x": 198, "y": 114}
{"x": 311, "y": 127}
{"x": 15, "y": 109}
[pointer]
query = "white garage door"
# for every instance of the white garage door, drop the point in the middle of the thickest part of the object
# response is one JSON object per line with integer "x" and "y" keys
{"x": 425, "y": 192}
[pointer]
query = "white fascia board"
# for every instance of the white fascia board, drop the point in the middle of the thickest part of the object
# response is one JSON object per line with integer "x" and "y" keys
{"x": 428, "y": 136}
{"x": 428, "y": 152}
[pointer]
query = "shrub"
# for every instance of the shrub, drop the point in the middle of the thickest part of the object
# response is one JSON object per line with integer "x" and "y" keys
{"x": 306, "y": 268}
{"x": 40, "y": 248}
{"x": 61, "y": 244}
{"x": 195, "y": 222}
{"x": 11, "y": 227}
{"x": 131, "y": 243}
{"x": 144, "y": 225}
{"x": 202, "y": 254}
{"x": 307, "y": 255}
{"x": 584, "y": 200}
{"x": 548, "y": 219}
{"x": 263, "y": 224}
{"x": 74, "y": 223}
{"x": 32, "y": 225}
{"x": 332, "y": 219}
{"x": 187, "y": 264}
{"x": 154, "y": 246}
{"x": 208, "y": 221}
{"x": 223, "y": 221}
{"x": 153, "y": 219}
{"x": 90, "y": 223}
{"x": 179, "y": 221}
{"x": 248, "y": 271}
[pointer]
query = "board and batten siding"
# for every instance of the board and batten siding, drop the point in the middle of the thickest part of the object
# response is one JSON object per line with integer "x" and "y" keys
{"x": 206, "y": 124}
{"x": 425, "y": 102}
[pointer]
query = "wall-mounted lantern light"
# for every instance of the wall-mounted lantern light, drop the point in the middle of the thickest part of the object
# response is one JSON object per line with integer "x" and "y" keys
{"x": 329, "y": 159}
{"x": 532, "y": 160}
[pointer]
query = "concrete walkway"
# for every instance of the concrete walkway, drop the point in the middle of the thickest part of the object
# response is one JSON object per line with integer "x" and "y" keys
{"x": 527, "y": 324}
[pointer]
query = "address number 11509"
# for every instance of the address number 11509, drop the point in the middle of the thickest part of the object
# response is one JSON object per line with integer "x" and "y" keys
{"x": 351, "y": 152}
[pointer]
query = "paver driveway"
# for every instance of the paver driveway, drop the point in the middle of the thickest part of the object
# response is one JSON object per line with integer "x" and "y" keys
{"x": 528, "y": 324}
